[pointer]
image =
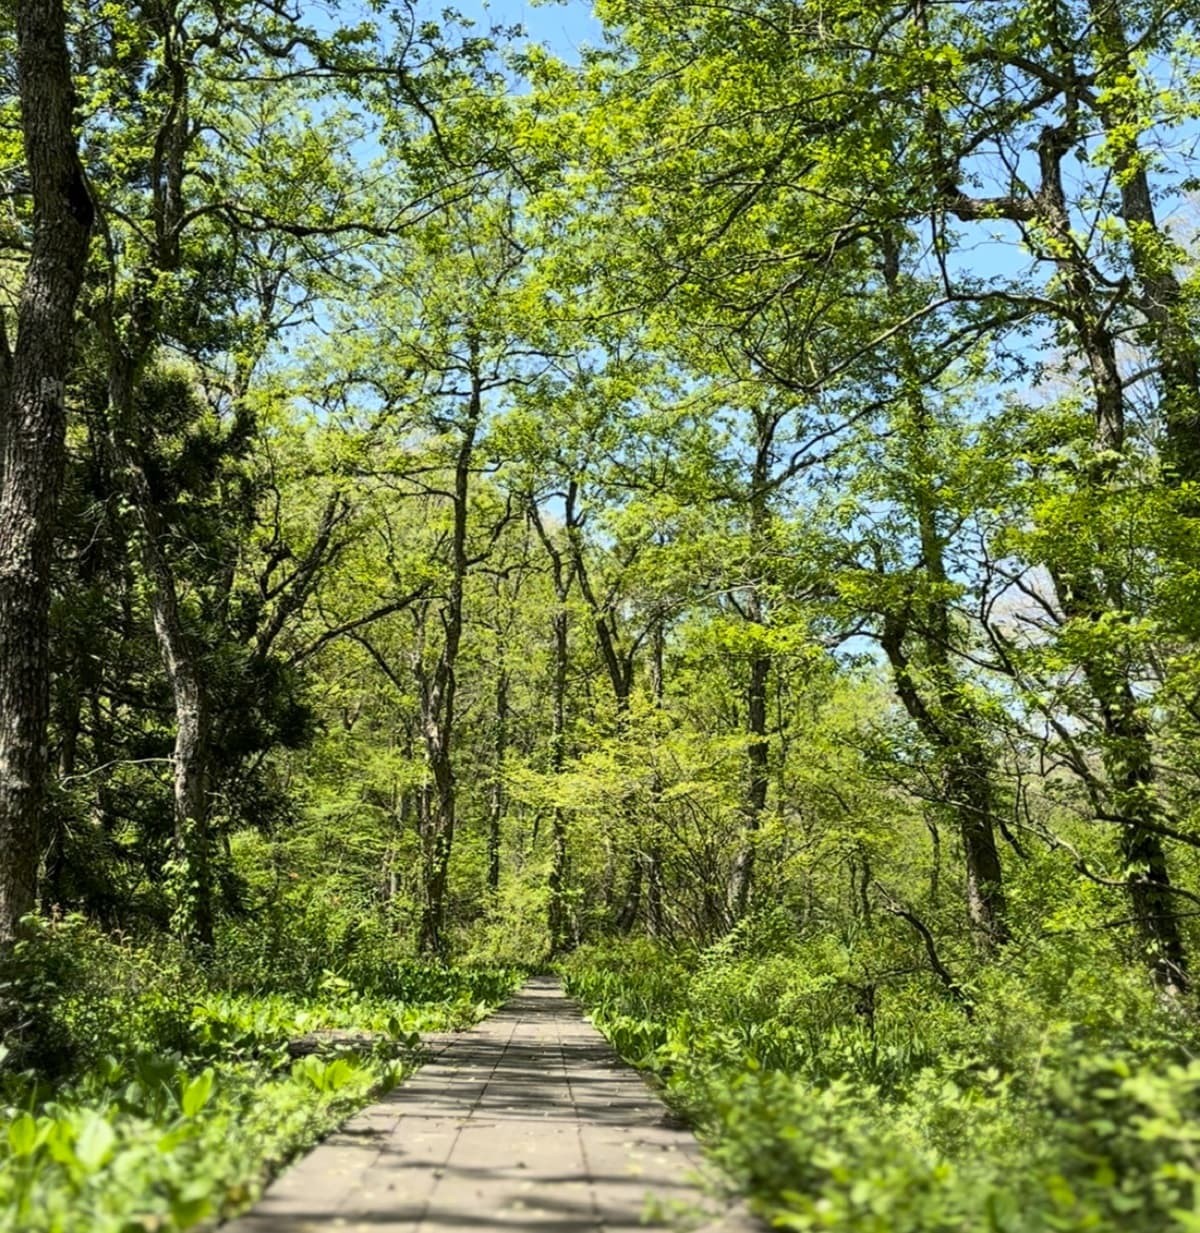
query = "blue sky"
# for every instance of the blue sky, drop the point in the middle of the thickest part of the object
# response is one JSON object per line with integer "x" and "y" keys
{"x": 563, "y": 27}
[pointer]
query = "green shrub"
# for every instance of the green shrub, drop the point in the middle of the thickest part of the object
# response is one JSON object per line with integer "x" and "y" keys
{"x": 1066, "y": 1101}
{"x": 141, "y": 1089}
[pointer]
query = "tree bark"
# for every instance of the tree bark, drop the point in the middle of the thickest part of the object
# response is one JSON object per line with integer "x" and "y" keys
{"x": 438, "y": 690}
{"x": 968, "y": 771}
{"x": 1160, "y": 292}
{"x": 631, "y": 901}
{"x": 496, "y": 802}
{"x": 181, "y": 660}
{"x": 561, "y": 573}
{"x": 619, "y": 665}
{"x": 1093, "y": 595}
{"x": 938, "y": 705}
{"x": 1128, "y": 755}
{"x": 560, "y": 934}
{"x": 741, "y": 881}
{"x": 757, "y": 756}
{"x": 132, "y": 334}
{"x": 966, "y": 782}
{"x": 32, "y": 431}
{"x": 656, "y": 919}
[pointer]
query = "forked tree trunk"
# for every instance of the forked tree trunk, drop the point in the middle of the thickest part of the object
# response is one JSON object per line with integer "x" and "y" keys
{"x": 439, "y": 691}
{"x": 1090, "y": 597}
{"x": 181, "y": 660}
{"x": 1093, "y": 595}
{"x": 935, "y": 700}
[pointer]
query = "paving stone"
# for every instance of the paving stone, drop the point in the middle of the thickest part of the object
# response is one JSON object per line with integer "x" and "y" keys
{"x": 528, "y": 1121}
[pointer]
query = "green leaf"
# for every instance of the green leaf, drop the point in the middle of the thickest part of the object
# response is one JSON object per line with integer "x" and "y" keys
{"x": 189, "y": 1212}
{"x": 196, "y": 1093}
{"x": 173, "y": 1138}
{"x": 59, "y": 1145}
{"x": 94, "y": 1146}
{"x": 22, "y": 1135}
{"x": 338, "y": 1074}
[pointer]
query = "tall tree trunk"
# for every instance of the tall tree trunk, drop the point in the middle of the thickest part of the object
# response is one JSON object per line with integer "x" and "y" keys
{"x": 631, "y": 901}
{"x": 935, "y": 861}
{"x": 967, "y": 768}
{"x": 969, "y": 789}
{"x": 438, "y": 690}
{"x": 181, "y": 660}
{"x": 558, "y": 917}
{"x": 656, "y": 918}
{"x": 32, "y": 429}
{"x": 1129, "y": 766}
{"x": 496, "y": 802}
{"x": 192, "y": 845}
{"x": 438, "y": 845}
{"x": 67, "y": 709}
{"x": 656, "y": 921}
{"x": 101, "y": 733}
{"x": 618, "y": 663}
{"x": 947, "y": 725}
{"x": 1152, "y": 253}
{"x": 758, "y": 748}
{"x": 132, "y": 332}
{"x": 942, "y": 710}
{"x": 1091, "y": 596}
{"x": 757, "y": 755}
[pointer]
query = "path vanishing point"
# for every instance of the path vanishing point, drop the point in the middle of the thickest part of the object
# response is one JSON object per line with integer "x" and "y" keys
{"x": 528, "y": 1121}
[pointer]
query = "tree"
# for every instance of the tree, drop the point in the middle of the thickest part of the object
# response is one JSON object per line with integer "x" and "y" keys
{"x": 33, "y": 376}
{"x": 197, "y": 263}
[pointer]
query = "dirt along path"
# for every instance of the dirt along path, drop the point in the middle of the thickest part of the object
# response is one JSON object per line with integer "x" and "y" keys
{"x": 528, "y": 1121}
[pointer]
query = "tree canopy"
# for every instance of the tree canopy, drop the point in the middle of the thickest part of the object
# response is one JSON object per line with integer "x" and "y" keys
{"x": 731, "y": 497}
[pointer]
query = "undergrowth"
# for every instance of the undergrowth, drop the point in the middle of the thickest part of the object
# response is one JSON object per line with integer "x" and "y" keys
{"x": 1064, "y": 1098}
{"x": 142, "y": 1090}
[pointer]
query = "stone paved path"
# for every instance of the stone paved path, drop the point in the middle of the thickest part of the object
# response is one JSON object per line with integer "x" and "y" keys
{"x": 528, "y": 1121}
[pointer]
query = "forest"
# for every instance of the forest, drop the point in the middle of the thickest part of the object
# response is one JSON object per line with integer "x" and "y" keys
{"x": 714, "y": 513}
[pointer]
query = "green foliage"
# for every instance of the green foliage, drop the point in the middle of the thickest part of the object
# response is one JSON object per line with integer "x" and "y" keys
{"x": 1064, "y": 1103}
{"x": 733, "y": 489}
{"x": 141, "y": 1090}
{"x": 76, "y": 996}
{"x": 156, "y": 1140}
